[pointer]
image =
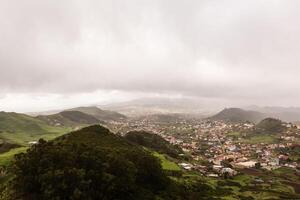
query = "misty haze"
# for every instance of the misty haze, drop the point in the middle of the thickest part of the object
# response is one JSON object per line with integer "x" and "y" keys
{"x": 152, "y": 100}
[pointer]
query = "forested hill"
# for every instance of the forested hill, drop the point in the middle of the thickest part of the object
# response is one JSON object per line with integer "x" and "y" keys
{"x": 270, "y": 126}
{"x": 154, "y": 142}
{"x": 93, "y": 163}
{"x": 238, "y": 115}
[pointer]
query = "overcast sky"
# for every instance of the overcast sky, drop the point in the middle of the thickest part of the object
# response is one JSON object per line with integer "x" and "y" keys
{"x": 63, "y": 53}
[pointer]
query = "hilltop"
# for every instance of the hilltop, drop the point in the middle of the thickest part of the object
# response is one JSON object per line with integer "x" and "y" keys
{"x": 238, "y": 115}
{"x": 69, "y": 118}
{"x": 270, "y": 126}
{"x": 103, "y": 115}
{"x": 93, "y": 163}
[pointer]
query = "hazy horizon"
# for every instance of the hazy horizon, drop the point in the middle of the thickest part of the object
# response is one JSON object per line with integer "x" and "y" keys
{"x": 62, "y": 54}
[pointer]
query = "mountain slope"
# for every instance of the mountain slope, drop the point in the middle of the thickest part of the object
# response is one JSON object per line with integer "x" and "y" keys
{"x": 103, "y": 115}
{"x": 238, "y": 115}
{"x": 154, "y": 142}
{"x": 270, "y": 126}
{"x": 16, "y": 122}
{"x": 289, "y": 114}
{"x": 69, "y": 118}
{"x": 20, "y": 128}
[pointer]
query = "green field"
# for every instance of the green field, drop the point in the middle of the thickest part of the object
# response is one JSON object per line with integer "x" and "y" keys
{"x": 234, "y": 134}
{"x": 167, "y": 164}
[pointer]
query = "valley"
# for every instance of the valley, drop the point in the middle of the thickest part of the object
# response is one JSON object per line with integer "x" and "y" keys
{"x": 237, "y": 157}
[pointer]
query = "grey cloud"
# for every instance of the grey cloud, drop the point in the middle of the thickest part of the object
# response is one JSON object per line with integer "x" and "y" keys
{"x": 227, "y": 49}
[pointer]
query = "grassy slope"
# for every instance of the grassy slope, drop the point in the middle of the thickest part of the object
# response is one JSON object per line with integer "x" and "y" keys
{"x": 254, "y": 138}
{"x": 6, "y": 158}
{"x": 238, "y": 115}
{"x": 20, "y": 128}
{"x": 23, "y": 137}
{"x": 166, "y": 164}
{"x": 15, "y": 122}
{"x": 69, "y": 119}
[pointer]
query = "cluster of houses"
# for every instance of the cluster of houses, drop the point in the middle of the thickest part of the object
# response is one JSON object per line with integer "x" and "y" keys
{"x": 218, "y": 142}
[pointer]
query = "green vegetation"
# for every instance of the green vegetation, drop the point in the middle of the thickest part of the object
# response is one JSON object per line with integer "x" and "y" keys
{"x": 261, "y": 184}
{"x": 24, "y": 137}
{"x": 5, "y": 146}
{"x": 88, "y": 164}
{"x": 15, "y": 122}
{"x": 6, "y": 158}
{"x": 20, "y": 129}
{"x": 154, "y": 142}
{"x": 269, "y": 126}
{"x": 257, "y": 139}
{"x": 238, "y": 115}
{"x": 267, "y": 131}
{"x": 234, "y": 134}
{"x": 166, "y": 164}
{"x": 69, "y": 119}
{"x": 293, "y": 152}
{"x": 93, "y": 163}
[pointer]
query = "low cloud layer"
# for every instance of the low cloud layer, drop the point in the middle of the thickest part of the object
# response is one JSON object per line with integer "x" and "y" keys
{"x": 238, "y": 50}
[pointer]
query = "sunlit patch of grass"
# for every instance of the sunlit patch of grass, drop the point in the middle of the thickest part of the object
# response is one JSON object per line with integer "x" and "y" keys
{"x": 167, "y": 164}
{"x": 7, "y": 157}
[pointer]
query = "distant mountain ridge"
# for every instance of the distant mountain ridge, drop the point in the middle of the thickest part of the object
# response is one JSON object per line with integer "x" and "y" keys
{"x": 103, "y": 115}
{"x": 290, "y": 114}
{"x": 151, "y": 106}
{"x": 21, "y": 128}
{"x": 239, "y": 115}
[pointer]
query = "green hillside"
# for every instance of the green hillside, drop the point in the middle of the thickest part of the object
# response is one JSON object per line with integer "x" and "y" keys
{"x": 270, "y": 126}
{"x": 88, "y": 164}
{"x": 267, "y": 131}
{"x": 21, "y": 129}
{"x": 103, "y": 115}
{"x": 238, "y": 115}
{"x": 69, "y": 119}
{"x": 15, "y": 122}
{"x": 154, "y": 142}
